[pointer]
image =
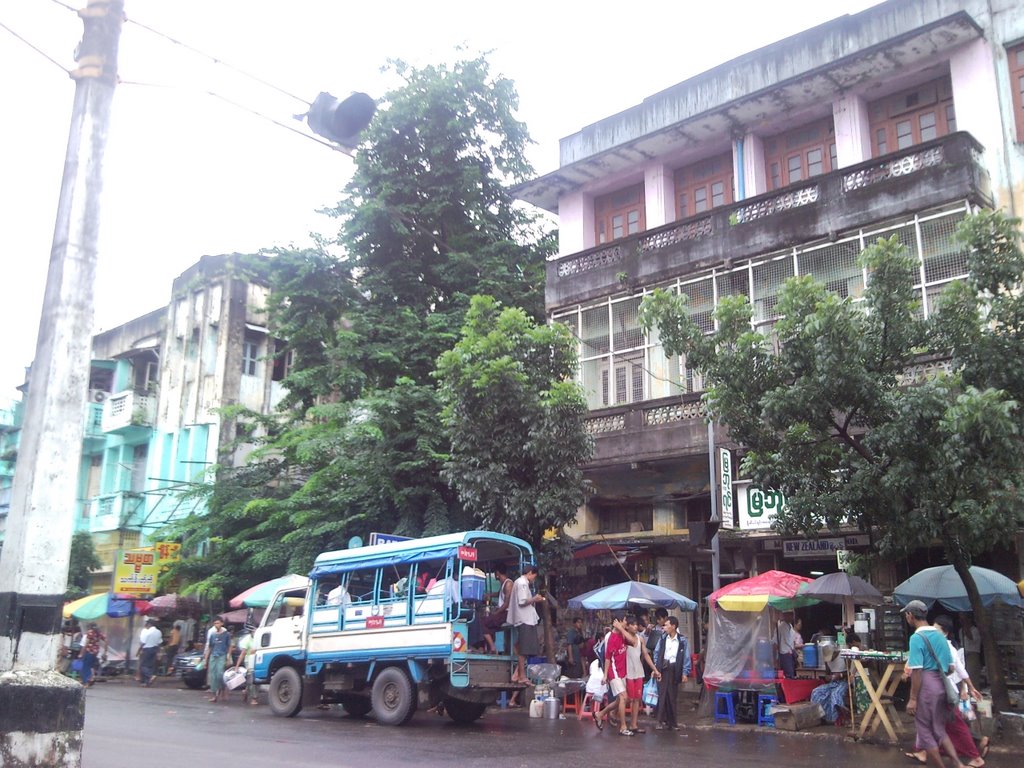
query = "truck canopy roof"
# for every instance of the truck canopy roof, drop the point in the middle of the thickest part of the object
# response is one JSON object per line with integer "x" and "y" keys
{"x": 489, "y": 545}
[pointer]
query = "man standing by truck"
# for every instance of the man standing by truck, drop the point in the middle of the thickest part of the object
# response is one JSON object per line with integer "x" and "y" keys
{"x": 522, "y": 614}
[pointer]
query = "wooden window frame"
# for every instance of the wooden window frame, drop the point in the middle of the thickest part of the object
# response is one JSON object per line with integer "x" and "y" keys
{"x": 706, "y": 180}
{"x": 624, "y": 205}
{"x": 892, "y": 114}
{"x": 1015, "y": 63}
{"x": 788, "y": 154}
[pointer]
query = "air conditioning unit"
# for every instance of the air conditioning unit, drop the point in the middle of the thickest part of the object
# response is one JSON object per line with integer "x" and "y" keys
{"x": 98, "y": 395}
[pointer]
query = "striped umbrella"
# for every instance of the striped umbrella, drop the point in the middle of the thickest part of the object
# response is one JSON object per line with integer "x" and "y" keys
{"x": 777, "y": 589}
{"x": 260, "y": 595}
{"x": 92, "y": 607}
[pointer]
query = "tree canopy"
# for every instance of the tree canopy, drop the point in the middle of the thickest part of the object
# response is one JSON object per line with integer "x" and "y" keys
{"x": 515, "y": 417}
{"x": 426, "y": 222}
{"x": 827, "y": 407}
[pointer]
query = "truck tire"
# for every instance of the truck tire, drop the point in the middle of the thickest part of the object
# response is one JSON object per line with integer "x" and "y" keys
{"x": 464, "y": 711}
{"x": 358, "y": 707}
{"x": 394, "y": 697}
{"x": 286, "y": 692}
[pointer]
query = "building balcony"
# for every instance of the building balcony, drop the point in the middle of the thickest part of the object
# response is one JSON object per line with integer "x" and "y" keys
{"x": 921, "y": 177}
{"x": 128, "y": 411}
{"x": 112, "y": 511}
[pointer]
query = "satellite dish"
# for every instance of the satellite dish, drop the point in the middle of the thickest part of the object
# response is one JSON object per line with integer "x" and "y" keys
{"x": 355, "y": 542}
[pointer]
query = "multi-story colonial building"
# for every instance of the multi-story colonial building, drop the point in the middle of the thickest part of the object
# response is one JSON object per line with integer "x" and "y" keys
{"x": 787, "y": 160}
{"x": 157, "y": 384}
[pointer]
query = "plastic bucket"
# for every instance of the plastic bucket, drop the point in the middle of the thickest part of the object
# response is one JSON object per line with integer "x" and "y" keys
{"x": 811, "y": 656}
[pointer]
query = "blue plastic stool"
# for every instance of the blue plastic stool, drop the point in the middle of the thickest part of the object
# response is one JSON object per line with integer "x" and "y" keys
{"x": 765, "y": 702}
{"x": 729, "y": 713}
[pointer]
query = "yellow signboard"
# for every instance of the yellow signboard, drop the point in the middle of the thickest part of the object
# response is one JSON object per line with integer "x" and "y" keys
{"x": 135, "y": 572}
{"x": 167, "y": 551}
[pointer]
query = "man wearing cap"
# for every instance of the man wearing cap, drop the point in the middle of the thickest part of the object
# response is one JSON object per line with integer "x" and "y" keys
{"x": 928, "y": 662}
{"x": 150, "y": 640}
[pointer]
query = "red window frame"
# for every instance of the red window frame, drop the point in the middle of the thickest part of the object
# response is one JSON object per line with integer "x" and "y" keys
{"x": 912, "y": 116}
{"x": 800, "y": 153}
{"x": 1015, "y": 61}
{"x": 704, "y": 185}
{"x": 619, "y": 214}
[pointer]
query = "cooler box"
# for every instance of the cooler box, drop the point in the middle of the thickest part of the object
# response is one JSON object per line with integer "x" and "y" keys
{"x": 234, "y": 679}
{"x": 473, "y": 582}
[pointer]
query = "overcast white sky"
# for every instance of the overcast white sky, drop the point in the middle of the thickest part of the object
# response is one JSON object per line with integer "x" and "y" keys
{"x": 186, "y": 174}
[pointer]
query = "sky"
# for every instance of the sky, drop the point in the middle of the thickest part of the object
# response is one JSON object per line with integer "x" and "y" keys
{"x": 187, "y": 173}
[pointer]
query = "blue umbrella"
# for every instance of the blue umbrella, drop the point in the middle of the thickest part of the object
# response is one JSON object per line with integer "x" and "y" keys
{"x": 942, "y": 585}
{"x": 636, "y": 592}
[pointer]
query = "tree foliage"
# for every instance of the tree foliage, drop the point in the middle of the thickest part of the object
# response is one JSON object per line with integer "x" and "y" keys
{"x": 83, "y": 562}
{"x": 825, "y": 411}
{"x": 515, "y": 416}
{"x": 426, "y": 222}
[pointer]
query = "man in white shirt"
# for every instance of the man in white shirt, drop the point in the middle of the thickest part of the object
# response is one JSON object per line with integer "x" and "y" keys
{"x": 784, "y": 638}
{"x": 150, "y": 640}
{"x": 523, "y": 616}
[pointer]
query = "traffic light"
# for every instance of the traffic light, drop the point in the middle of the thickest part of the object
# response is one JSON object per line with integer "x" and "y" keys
{"x": 702, "y": 533}
{"x": 341, "y": 121}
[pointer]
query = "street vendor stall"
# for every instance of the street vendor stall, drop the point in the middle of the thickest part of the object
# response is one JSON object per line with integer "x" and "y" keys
{"x": 741, "y": 654}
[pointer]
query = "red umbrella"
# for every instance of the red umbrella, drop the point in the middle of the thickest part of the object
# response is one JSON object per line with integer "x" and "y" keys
{"x": 175, "y": 605}
{"x": 777, "y": 589}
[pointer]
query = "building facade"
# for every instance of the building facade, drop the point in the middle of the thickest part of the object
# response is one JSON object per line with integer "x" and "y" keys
{"x": 154, "y": 425}
{"x": 895, "y": 121}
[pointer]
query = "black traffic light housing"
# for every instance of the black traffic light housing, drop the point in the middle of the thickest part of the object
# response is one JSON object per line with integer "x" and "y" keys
{"x": 702, "y": 533}
{"x": 341, "y": 121}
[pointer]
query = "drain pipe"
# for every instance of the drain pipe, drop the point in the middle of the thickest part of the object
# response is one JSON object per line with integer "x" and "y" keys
{"x": 741, "y": 176}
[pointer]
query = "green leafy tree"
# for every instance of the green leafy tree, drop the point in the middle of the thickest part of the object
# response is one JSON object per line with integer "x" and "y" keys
{"x": 516, "y": 420}
{"x": 823, "y": 409}
{"x": 83, "y": 562}
{"x": 427, "y": 221}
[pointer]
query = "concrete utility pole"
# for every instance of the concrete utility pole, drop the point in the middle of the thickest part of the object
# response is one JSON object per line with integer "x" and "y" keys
{"x": 41, "y": 711}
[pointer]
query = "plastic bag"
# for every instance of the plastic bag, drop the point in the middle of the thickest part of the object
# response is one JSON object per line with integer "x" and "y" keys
{"x": 650, "y": 696}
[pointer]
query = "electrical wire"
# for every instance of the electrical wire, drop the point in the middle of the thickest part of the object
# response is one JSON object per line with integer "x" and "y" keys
{"x": 244, "y": 108}
{"x": 214, "y": 59}
{"x": 41, "y": 52}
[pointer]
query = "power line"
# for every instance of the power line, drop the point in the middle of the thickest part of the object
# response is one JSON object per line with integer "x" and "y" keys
{"x": 211, "y": 57}
{"x": 41, "y": 52}
{"x": 244, "y": 108}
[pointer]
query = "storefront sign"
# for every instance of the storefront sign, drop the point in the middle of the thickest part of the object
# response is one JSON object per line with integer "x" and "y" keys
{"x": 728, "y": 516}
{"x": 167, "y": 551}
{"x": 135, "y": 572}
{"x": 819, "y": 548}
{"x": 758, "y": 508}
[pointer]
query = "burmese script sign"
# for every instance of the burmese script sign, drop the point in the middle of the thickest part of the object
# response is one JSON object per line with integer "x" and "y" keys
{"x": 135, "y": 572}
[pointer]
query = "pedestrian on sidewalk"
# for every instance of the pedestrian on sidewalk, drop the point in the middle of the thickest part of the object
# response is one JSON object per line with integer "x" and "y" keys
{"x": 615, "y": 675}
{"x": 671, "y": 665}
{"x": 91, "y": 653}
{"x": 218, "y": 645}
{"x": 929, "y": 660}
{"x": 150, "y": 641}
{"x": 636, "y": 657}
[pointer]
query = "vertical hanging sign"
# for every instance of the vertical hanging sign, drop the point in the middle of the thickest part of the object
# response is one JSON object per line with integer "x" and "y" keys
{"x": 728, "y": 510}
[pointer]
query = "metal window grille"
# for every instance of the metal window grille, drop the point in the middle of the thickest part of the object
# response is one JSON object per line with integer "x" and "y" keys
{"x": 595, "y": 331}
{"x": 768, "y": 279}
{"x": 835, "y": 265}
{"x": 701, "y": 304}
{"x": 943, "y": 258}
{"x": 626, "y": 330}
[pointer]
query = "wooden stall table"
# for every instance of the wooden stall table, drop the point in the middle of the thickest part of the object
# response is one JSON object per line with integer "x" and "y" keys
{"x": 881, "y": 711}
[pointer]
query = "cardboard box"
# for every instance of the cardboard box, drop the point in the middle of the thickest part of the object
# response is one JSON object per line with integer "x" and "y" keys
{"x": 797, "y": 717}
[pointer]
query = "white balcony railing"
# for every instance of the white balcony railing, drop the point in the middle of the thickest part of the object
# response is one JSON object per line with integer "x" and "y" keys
{"x": 128, "y": 409}
{"x": 112, "y": 511}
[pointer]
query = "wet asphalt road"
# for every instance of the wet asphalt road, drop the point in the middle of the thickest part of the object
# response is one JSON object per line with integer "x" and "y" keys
{"x": 171, "y": 727}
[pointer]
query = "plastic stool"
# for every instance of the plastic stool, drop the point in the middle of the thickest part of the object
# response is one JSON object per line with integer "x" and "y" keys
{"x": 729, "y": 713}
{"x": 765, "y": 702}
{"x": 571, "y": 703}
{"x": 589, "y": 707}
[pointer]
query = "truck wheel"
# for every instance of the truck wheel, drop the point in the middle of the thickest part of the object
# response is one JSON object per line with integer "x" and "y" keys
{"x": 464, "y": 711}
{"x": 358, "y": 707}
{"x": 285, "y": 692}
{"x": 394, "y": 697}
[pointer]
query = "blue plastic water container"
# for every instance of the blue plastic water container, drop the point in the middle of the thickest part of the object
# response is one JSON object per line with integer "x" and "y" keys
{"x": 811, "y": 656}
{"x": 472, "y": 588}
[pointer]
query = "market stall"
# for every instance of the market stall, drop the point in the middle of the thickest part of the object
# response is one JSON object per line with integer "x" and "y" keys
{"x": 740, "y": 656}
